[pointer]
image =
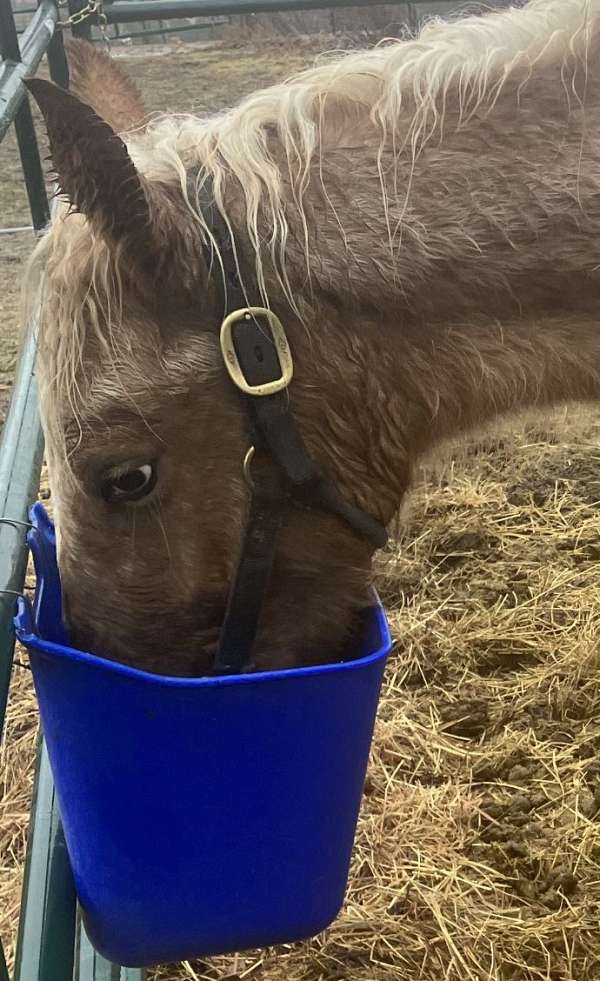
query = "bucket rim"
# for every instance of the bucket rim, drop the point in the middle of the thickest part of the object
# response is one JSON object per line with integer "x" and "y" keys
{"x": 49, "y": 649}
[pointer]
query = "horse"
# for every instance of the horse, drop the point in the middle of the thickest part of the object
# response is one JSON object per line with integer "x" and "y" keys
{"x": 420, "y": 216}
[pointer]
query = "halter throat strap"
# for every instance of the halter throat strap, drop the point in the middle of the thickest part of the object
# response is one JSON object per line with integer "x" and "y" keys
{"x": 259, "y": 363}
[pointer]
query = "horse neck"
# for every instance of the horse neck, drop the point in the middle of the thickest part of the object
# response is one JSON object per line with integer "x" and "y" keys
{"x": 475, "y": 290}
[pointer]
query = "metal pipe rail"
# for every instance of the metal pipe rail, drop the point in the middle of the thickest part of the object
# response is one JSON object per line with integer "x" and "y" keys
{"x": 17, "y": 62}
{"x": 120, "y": 11}
{"x": 130, "y": 11}
{"x": 34, "y": 44}
{"x": 160, "y": 31}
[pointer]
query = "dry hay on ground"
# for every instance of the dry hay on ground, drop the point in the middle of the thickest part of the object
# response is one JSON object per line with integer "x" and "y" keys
{"x": 478, "y": 849}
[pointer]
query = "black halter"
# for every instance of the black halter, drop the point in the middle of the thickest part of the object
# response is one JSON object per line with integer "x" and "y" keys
{"x": 259, "y": 362}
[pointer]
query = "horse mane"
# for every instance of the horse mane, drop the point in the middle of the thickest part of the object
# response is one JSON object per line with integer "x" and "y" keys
{"x": 400, "y": 90}
{"x": 397, "y": 93}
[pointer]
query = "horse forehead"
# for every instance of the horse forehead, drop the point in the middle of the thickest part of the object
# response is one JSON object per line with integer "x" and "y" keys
{"x": 109, "y": 426}
{"x": 152, "y": 404}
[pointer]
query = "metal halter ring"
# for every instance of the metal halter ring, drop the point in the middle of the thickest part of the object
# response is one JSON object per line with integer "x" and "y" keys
{"x": 246, "y": 467}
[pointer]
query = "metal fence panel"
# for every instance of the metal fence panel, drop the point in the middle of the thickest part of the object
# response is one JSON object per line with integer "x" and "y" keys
{"x": 45, "y": 946}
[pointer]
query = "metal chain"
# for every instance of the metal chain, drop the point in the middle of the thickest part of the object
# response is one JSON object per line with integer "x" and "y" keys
{"x": 80, "y": 15}
{"x": 103, "y": 25}
{"x": 92, "y": 7}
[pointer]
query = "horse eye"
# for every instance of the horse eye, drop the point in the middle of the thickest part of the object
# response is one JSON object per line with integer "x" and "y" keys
{"x": 131, "y": 485}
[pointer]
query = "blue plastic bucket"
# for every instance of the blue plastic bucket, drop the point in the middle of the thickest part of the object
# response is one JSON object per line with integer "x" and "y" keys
{"x": 204, "y": 815}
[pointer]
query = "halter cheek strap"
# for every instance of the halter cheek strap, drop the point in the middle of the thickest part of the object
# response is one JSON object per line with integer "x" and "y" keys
{"x": 259, "y": 362}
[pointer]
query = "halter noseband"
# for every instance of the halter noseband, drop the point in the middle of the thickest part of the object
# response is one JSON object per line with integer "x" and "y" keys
{"x": 259, "y": 362}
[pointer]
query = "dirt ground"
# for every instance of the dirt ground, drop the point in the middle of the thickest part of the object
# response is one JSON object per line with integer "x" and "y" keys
{"x": 478, "y": 850}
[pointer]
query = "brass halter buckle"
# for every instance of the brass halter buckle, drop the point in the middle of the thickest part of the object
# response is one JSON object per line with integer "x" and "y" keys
{"x": 267, "y": 321}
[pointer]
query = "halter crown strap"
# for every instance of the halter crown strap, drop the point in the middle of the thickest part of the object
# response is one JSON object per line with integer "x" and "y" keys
{"x": 259, "y": 362}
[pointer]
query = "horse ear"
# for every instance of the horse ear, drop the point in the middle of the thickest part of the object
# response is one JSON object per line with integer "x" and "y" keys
{"x": 94, "y": 168}
{"x": 99, "y": 80}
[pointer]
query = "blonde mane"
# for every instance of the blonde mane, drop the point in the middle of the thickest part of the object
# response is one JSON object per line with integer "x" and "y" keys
{"x": 397, "y": 93}
{"x": 400, "y": 88}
